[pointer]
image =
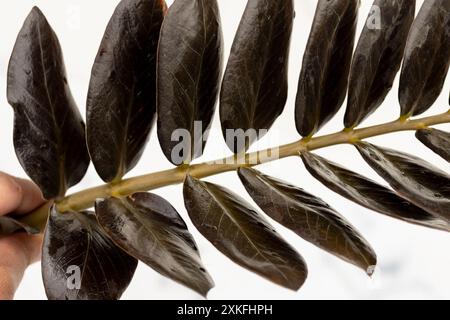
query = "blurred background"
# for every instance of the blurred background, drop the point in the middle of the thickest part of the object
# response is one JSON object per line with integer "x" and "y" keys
{"x": 413, "y": 261}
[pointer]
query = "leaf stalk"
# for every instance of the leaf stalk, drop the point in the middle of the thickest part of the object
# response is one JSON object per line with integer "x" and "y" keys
{"x": 86, "y": 199}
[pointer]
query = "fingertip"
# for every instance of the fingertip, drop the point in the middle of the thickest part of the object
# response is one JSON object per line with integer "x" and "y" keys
{"x": 11, "y": 194}
{"x": 18, "y": 195}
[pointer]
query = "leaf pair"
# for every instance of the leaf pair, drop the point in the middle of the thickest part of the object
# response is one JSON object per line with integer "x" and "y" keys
{"x": 368, "y": 193}
{"x": 254, "y": 88}
{"x": 86, "y": 259}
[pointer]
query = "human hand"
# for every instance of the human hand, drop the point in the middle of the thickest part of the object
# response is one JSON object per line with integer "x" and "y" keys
{"x": 17, "y": 251}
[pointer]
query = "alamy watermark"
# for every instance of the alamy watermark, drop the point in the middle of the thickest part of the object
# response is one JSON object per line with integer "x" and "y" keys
{"x": 189, "y": 145}
{"x": 374, "y": 19}
{"x": 73, "y": 277}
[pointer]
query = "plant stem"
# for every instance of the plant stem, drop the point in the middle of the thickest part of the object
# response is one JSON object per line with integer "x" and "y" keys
{"x": 86, "y": 199}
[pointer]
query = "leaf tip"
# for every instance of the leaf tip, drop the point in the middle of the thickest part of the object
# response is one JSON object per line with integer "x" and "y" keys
{"x": 371, "y": 270}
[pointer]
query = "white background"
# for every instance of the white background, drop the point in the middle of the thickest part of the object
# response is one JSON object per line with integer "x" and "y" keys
{"x": 413, "y": 261}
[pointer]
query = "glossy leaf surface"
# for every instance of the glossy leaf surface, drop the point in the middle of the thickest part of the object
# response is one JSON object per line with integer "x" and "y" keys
{"x": 254, "y": 88}
{"x": 326, "y": 64}
{"x": 79, "y": 262}
{"x": 368, "y": 193}
{"x": 121, "y": 103}
{"x": 416, "y": 180}
{"x": 189, "y": 72}
{"x": 427, "y": 58}
{"x": 49, "y": 136}
{"x": 150, "y": 229}
{"x": 242, "y": 234}
{"x": 377, "y": 58}
{"x": 436, "y": 140}
{"x": 309, "y": 217}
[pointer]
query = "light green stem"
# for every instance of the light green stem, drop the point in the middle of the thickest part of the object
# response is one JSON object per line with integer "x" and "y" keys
{"x": 86, "y": 199}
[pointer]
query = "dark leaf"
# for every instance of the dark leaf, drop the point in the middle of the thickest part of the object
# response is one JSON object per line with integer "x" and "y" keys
{"x": 377, "y": 58}
{"x": 150, "y": 229}
{"x": 368, "y": 193}
{"x": 254, "y": 89}
{"x": 10, "y": 225}
{"x": 427, "y": 58}
{"x": 436, "y": 140}
{"x": 121, "y": 103}
{"x": 326, "y": 64}
{"x": 414, "y": 179}
{"x": 79, "y": 262}
{"x": 242, "y": 234}
{"x": 49, "y": 135}
{"x": 189, "y": 72}
{"x": 309, "y": 217}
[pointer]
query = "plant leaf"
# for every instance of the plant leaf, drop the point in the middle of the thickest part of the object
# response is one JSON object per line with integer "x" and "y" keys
{"x": 10, "y": 225}
{"x": 242, "y": 234}
{"x": 76, "y": 249}
{"x": 189, "y": 72}
{"x": 49, "y": 135}
{"x": 309, "y": 217}
{"x": 368, "y": 193}
{"x": 414, "y": 179}
{"x": 151, "y": 230}
{"x": 326, "y": 64}
{"x": 377, "y": 58}
{"x": 427, "y": 58}
{"x": 121, "y": 103}
{"x": 254, "y": 89}
{"x": 436, "y": 140}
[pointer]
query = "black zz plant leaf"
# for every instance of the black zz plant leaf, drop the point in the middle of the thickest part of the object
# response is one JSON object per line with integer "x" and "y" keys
{"x": 254, "y": 88}
{"x": 427, "y": 58}
{"x": 49, "y": 136}
{"x": 121, "y": 103}
{"x": 242, "y": 234}
{"x": 414, "y": 179}
{"x": 436, "y": 140}
{"x": 326, "y": 64}
{"x": 151, "y": 230}
{"x": 79, "y": 262}
{"x": 309, "y": 217}
{"x": 368, "y": 193}
{"x": 189, "y": 72}
{"x": 378, "y": 57}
